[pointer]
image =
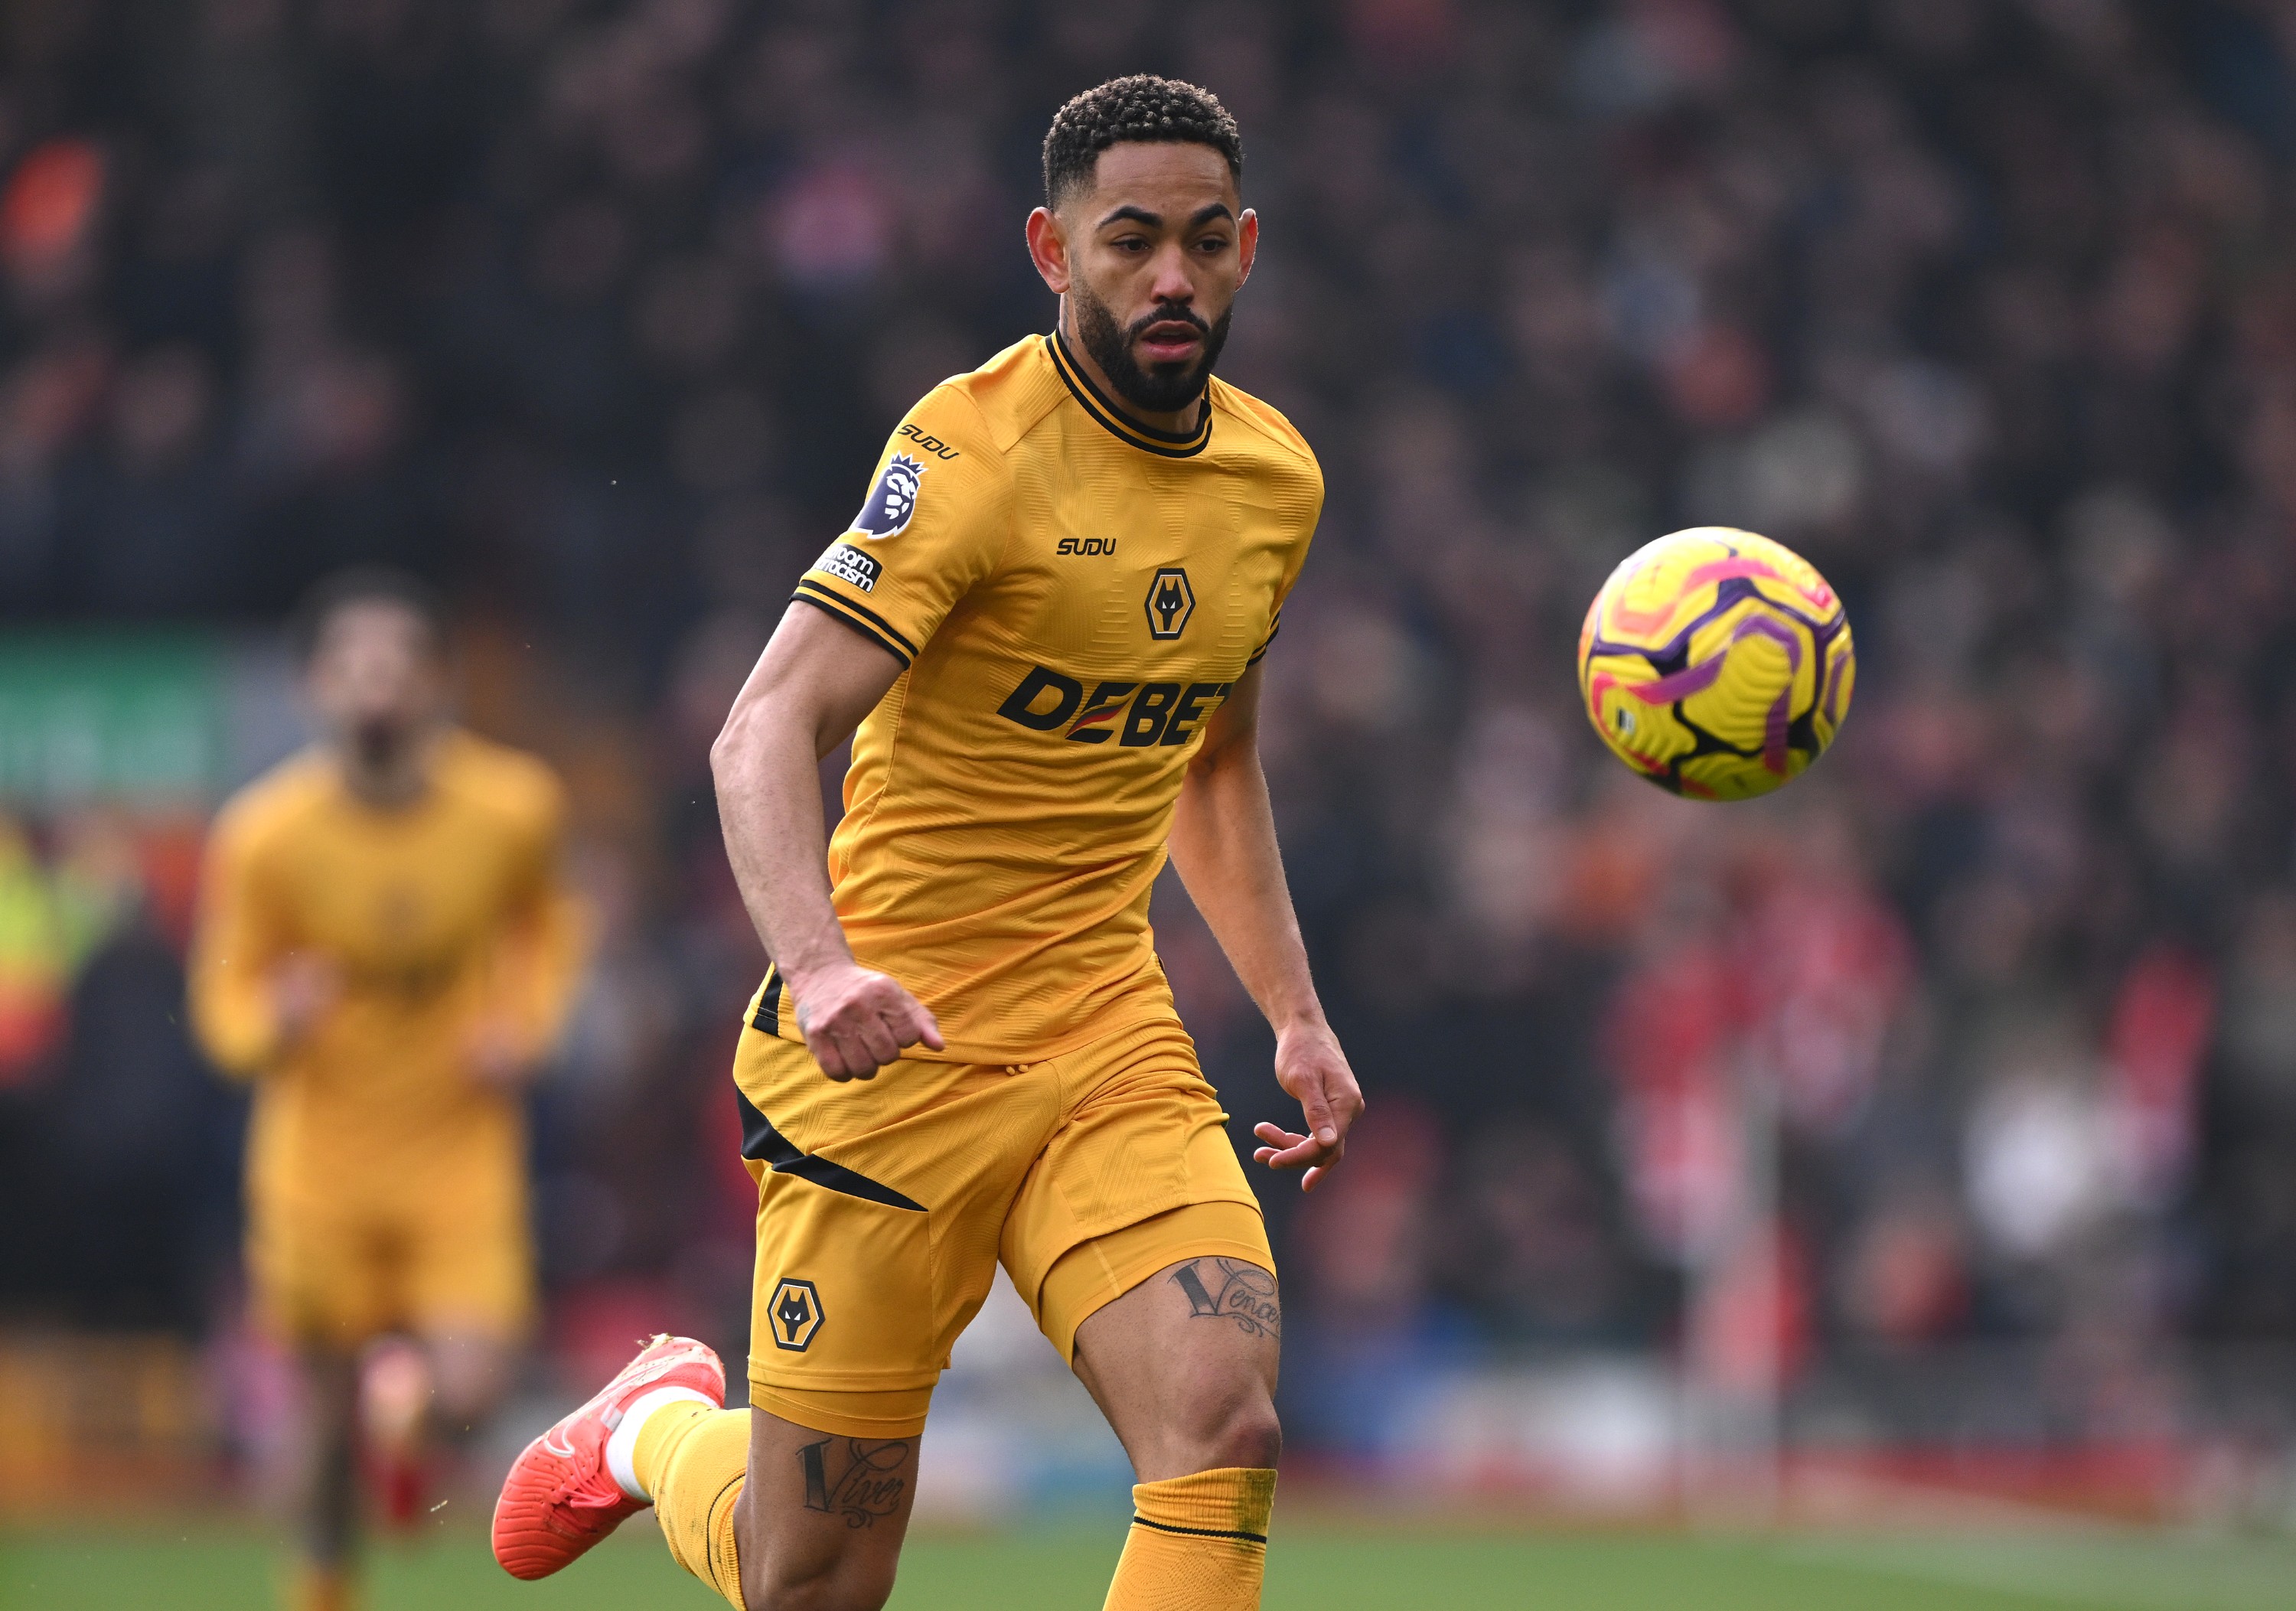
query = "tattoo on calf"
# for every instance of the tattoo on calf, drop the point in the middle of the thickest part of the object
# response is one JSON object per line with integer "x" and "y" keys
{"x": 1229, "y": 1289}
{"x": 848, "y": 1478}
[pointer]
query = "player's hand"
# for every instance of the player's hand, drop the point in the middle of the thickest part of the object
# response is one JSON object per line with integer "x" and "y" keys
{"x": 1310, "y": 1066}
{"x": 855, "y": 1020}
{"x": 304, "y": 989}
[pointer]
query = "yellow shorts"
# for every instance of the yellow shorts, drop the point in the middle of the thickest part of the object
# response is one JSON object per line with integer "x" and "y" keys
{"x": 337, "y": 1274}
{"x": 884, "y": 1206}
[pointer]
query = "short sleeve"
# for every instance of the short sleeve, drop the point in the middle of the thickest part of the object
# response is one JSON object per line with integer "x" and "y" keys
{"x": 933, "y": 526}
{"x": 1297, "y": 559}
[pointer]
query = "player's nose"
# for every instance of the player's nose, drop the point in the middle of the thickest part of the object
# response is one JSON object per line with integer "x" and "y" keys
{"x": 1172, "y": 284}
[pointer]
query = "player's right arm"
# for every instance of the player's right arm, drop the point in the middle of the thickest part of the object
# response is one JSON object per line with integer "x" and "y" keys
{"x": 808, "y": 693}
{"x": 933, "y": 528}
{"x": 251, "y": 994}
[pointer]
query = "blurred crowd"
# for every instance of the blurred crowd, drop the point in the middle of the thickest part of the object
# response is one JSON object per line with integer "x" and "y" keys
{"x": 598, "y": 313}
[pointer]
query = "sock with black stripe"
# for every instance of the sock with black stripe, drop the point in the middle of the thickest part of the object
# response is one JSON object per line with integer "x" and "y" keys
{"x": 691, "y": 1459}
{"x": 1197, "y": 1543}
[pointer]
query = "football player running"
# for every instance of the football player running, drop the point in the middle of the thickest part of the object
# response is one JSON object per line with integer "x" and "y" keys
{"x": 385, "y": 949}
{"x": 1044, "y": 634}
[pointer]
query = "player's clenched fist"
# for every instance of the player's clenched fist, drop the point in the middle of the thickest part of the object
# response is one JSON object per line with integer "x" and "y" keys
{"x": 855, "y": 1020}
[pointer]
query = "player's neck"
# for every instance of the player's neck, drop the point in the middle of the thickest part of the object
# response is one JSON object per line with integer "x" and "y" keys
{"x": 1179, "y": 421}
{"x": 388, "y": 779}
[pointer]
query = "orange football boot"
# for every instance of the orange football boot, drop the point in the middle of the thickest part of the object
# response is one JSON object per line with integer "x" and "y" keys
{"x": 559, "y": 1499}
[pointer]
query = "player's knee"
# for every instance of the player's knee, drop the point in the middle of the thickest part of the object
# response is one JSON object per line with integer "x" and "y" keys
{"x": 844, "y": 1593}
{"x": 1247, "y": 1435}
{"x": 815, "y": 1596}
{"x": 850, "y": 1581}
{"x": 462, "y": 1399}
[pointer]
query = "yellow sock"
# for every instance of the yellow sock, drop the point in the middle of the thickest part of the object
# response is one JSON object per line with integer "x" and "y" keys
{"x": 1197, "y": 1543}
{"x": 313, "y": 1588}
{"x": 691, "y": 1458}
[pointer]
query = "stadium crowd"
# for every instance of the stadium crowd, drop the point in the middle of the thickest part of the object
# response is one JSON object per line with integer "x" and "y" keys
{"x": 597, "y": 314}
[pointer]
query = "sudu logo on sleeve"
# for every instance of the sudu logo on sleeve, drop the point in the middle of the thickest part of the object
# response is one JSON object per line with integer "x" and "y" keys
{"x": 893, "y": 499}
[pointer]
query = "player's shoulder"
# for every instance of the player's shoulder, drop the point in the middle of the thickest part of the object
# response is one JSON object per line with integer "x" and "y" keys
{"x": 1257, "y": 437}
{"x": 1265, "y": 430}
{"x": 499, "y": 778}
{"x": 998, "y": 404}
{"x": 276, "y": 801}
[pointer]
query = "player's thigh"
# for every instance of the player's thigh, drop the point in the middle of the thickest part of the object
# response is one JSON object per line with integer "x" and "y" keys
{"x": 1140, "y": 1245}
{"x": 321, "y": 1278}
{"x": 469, "y": 1284}
{"x": 1140, "y": 1176}
{"x": 471, "y": 1370}
{"x": 822, "y": 1515}
{"x": 1184, "y": 1365}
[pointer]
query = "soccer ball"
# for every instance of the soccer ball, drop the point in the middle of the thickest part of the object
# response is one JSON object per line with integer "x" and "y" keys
{"x": 1716, "y": 664}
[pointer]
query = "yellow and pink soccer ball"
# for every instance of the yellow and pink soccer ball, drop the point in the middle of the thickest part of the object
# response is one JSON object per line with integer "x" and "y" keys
{"x": 1716, "y": 663}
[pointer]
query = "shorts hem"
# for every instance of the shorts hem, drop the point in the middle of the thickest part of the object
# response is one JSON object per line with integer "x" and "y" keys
{"x": 806, "y": 1410}
{"x": 841, "y": 1381}
{"x": 1215, "y": 1235}
{"x": 1132, "y": 1275}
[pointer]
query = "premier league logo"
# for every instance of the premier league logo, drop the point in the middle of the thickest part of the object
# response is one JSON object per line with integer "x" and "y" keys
{"x": 893, "y": 499}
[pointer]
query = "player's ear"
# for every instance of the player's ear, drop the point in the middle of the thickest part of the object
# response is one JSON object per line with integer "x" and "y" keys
{"x": 1048, "y": 249}
{"x": 1247, "y": 244}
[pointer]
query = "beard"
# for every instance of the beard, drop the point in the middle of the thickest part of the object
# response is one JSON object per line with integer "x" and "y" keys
{"x": 1164, "y": 388}
{"x": 380, "y": 742}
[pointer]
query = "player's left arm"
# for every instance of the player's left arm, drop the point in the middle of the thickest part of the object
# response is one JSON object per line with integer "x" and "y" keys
{"x": 1224, "y": 844}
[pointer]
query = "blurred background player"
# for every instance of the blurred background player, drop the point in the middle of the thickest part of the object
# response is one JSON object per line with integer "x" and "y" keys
{"x": 384, "y": 948}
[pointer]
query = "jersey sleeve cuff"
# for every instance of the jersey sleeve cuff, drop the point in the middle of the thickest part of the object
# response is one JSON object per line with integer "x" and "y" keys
{"x": 859, "y": 617}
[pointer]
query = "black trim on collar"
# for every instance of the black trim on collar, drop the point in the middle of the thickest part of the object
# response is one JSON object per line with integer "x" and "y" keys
{"x": 1164, "y": 443}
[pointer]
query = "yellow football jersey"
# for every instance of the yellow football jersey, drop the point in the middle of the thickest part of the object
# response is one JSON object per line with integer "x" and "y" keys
{"x": 437, "y": 918}
{"x": 1072, "y": 596}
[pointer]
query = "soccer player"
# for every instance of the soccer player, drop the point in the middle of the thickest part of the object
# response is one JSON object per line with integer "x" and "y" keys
{"x": 1046, "y": 624}
{"x": 385, "y": 949}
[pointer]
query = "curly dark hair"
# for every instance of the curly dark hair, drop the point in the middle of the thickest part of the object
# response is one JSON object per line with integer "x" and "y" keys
{"x": 1140, "y": 107}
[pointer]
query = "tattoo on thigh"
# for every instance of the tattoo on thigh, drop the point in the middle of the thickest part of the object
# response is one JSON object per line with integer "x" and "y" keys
{"x": 848, "y": 1478}
{"x": 1229, "y": 1289}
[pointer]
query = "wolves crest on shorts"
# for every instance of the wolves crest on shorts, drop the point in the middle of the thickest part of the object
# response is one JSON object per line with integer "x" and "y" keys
{"x": 795, "y": 1310}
